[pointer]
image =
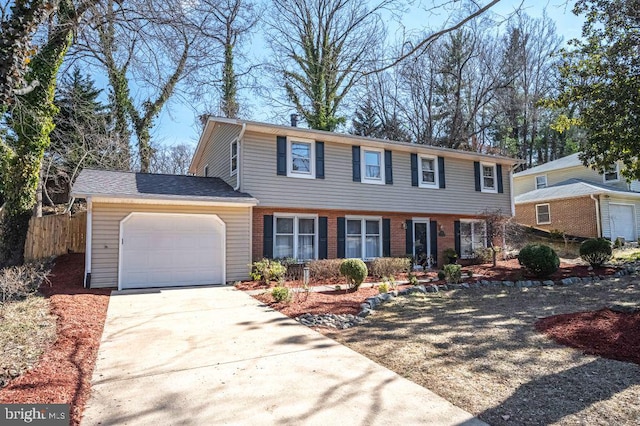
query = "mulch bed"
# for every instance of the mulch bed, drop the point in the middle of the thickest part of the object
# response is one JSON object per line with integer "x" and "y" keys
{"x": 63, "y": 375}
{"x": 606, "y": 333}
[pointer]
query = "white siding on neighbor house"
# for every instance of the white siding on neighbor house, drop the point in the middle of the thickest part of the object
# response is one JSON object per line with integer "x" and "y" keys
{"x": 106, "y": 232}
{"x": 527, "y": 183}
{"x": 604, "y": 212}
{"x": 217, "y": 154}
{"x": 338, "y": 191}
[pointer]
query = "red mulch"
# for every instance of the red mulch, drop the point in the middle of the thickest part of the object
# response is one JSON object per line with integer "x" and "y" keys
{"x": 605, "y": 333}
{"x": 63, "y": 375}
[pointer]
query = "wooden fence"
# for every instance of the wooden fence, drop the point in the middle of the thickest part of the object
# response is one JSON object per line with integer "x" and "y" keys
{"x": 55, "y": 235}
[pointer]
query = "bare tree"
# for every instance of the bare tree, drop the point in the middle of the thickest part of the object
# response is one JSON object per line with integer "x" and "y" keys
{"x": 174, "y": 160}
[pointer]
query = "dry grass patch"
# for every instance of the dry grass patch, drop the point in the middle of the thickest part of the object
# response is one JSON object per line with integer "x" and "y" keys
{"x": 479, "y": 349}
{"x": 26, "y": 329}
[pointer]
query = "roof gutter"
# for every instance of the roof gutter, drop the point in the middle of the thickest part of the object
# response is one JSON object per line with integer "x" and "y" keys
{"x": 598, "y": 219}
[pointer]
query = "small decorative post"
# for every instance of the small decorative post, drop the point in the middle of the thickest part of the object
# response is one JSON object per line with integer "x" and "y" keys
{"x": 305, "y": 276}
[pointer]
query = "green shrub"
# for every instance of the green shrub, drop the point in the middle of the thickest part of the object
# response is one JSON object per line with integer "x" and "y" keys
{"x": 452, "y": 273}
{"x": 413, "y": 280}
{"x": 267, "y": 270}
{"x": 383, "y": 287}
{"x": 324, "y": 269}
{"x": 386, "y": 266}
{"x": 355, "y": 271}
{"x": 280, "y": 294}
{"x": 556, "y": 234}
{"x": 539, "y": 259}
{"x": 450, "y": 255}
{"x": 595, "y": 251}
{"x": 441, "y": 275}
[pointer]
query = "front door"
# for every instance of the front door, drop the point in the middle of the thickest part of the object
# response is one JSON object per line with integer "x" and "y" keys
{"x": 421, "y": 250}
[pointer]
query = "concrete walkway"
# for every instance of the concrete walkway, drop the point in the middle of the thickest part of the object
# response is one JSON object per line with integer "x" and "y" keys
{"x": 209, "y": 356}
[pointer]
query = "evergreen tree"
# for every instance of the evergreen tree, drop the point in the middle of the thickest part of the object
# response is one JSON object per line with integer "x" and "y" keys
{"x": 365, "y": 121}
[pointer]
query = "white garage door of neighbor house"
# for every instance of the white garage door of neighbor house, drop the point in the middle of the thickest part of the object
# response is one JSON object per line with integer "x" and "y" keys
{"x": 171, "y": 250}
{"x": 623, "y": 221}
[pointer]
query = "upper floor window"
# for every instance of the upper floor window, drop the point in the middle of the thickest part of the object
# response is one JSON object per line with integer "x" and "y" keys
{"x": 364, "y": 238}
{"x": 612, "y": 174}
{"x": 428, "y": 171}
{"x": 472, "y": 237}
{"x": 206, "y": 171}
{"x": 488, "y": 177}
{"x": 234, "y": 157}
{"x": 295, "y": 237}
{"x": 543, "y": 214}
{"x": 541, "y": 181}
{"x": 372, "y": 165}
{"x": 301, "y": 159}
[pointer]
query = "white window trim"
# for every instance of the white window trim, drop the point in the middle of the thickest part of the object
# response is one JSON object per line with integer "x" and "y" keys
{"x": 363, "y": 234}
{"x": 231, "y": 171}
{"x": 617, "y": 179}
{"x": 495, "y": 178}
{"x": 538, "y": 215}
{"x": 295, "y": 217}
{"x": 363, "y": 166}
{"x": 535, "y": 181}
{"x": 436, "y": 171}
{"x": 484, "y": 243}
{"x": 312, "y": 159}
{"x": 205, "y": 171}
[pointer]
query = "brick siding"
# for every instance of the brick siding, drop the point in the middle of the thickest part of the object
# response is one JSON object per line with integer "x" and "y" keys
{"x": 573, "y": 216}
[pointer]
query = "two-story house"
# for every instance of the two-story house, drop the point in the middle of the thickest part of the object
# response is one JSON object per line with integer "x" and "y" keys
{"x": 567, "y": 196}
{"x": 264, "y": 190}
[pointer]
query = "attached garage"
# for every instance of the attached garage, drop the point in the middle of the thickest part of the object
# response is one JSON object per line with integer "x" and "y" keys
{"x": 147, "y": 231}
{"x": 622, "y": 219}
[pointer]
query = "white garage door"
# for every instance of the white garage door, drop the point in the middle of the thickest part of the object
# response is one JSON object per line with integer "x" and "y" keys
{"x": 623, "y": 221}
{"x": 169, "y": 250}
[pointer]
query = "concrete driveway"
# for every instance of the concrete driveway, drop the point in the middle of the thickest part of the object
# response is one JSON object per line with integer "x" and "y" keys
{"x": 208, "y": 356}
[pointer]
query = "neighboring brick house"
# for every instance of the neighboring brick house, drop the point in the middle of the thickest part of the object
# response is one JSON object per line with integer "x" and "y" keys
{"x": 566, "y": 196}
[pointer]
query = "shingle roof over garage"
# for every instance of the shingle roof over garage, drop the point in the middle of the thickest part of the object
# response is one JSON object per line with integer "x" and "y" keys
{"x": 570, "y": 188}
{"x": 115, "y": 184}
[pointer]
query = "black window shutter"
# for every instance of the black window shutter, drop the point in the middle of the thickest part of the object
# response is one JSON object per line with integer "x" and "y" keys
{"x": 409, "y": 237}
{"x": 319, "y": 160}
{"x": 355, "y": 154}
{"x": 341, "y": 237}
{"x": 456, "y": 234}
{"x": 476, "y": 170}
{"x": 386, "y": 237}
{"x": 388, "y": 169}
{"x": 441, "y": 172}
{"x": 282, "y": 155}
{"x": 499, "y": 178}
{"x": 322, "y": 237}
{"x": 414, "y": 169}
{"x": 433, "y": 237}
{"x": 267, "y": 236}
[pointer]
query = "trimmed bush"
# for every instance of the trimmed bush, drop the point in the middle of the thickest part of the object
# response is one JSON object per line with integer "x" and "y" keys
{"x": 539, "y": 259}
{"x": 383, "y": 287}
{"x": 413, "y": 279}
{"x": 324, "y": 269}
{"x": 450, "y": 255}
{"x": 452, "y": 273}
{"x": 355, "y": 271}
{"x": 267, "y": 270}
{"x": 441, "y": 275}
{"x": 280, "y": 294}
{"x": 387, "y": 266}
{"x": 595, "y": 251}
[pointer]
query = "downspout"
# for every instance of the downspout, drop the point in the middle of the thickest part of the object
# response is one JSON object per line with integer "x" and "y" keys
{"x": 240, "y": 156}
{"x": 598, "y": 224}
{"x": 87, "y": 255}
{"x": 513, "y": 203}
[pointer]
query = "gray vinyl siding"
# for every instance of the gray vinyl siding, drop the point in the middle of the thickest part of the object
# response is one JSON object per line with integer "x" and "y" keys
{"x": 604, "y": 212}
{"x": 106, "y": 231}
{"x": 527, "y": 183}
{"x": 217, "y": 154}
{"x": 338, "y": 191}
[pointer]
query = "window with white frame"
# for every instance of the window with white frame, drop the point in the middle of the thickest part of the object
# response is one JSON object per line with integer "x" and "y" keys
{"x": 295, "y": 237}
{"x": 612, "y": 174}
{"x": 473, "y": 236}
{"x": 543, "y": 214}
{"x": 301, "y": 158}
{"x": 488, "y": 177}
{"x": 541, "y": 181}
{"x": 428, "y": 171}
{"x": 234, "y": 157}
{"x": 372, "y": 165}
{"x": 364, "y": 238}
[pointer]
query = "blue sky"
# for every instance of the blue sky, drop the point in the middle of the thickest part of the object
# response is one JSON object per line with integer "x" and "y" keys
{"x": 177, "y": 123}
